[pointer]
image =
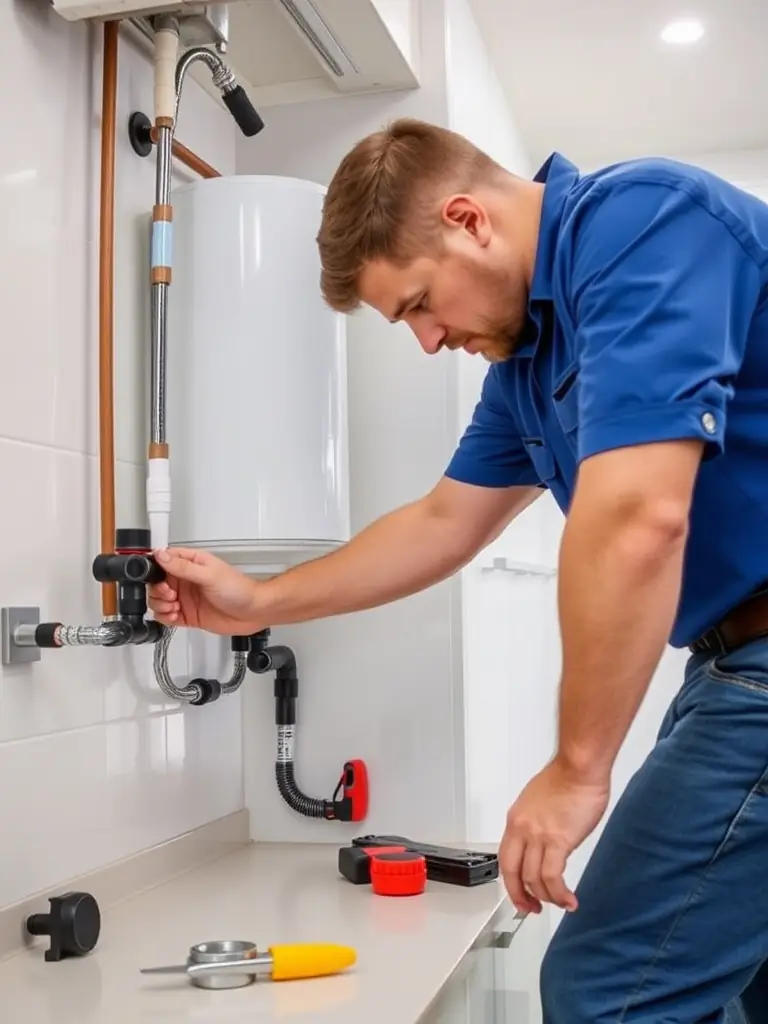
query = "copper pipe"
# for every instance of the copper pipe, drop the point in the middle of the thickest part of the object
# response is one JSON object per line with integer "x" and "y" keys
{"x": 193, "y": 161}
{"x": 106, "y": 307}
{"x": 189, "y": 158}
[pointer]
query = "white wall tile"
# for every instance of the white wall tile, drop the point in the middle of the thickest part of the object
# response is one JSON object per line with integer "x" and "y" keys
{"x": 88, "y": 797}
{"x": 103, "y": 764}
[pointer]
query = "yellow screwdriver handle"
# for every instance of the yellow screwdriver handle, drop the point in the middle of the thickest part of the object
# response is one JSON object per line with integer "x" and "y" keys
{"x": 309, "y": 960}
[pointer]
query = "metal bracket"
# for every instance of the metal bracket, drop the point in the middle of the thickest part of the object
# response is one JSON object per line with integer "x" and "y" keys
{"x": 10, "y": 620}
{"x": 520, "y": 568}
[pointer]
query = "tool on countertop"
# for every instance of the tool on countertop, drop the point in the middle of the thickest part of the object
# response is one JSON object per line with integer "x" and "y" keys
{"x": 234, "y": 964}
{"x": 443, "y": 863}
{"x": 389, "y": 870}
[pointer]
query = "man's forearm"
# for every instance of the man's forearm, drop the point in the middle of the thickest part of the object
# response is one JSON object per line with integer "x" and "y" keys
{"x": 619, "y": 585}
{"x": 398, "y": 555}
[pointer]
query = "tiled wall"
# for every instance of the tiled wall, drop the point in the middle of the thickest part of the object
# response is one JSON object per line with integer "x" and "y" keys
{"x": 94, "y": 765}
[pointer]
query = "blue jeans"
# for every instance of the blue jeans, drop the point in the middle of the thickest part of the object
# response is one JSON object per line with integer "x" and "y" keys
{"x": 673, "y": 919}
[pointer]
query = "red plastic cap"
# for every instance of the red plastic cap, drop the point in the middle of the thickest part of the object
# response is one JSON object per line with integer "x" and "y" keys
{"x": 398, "y": 874}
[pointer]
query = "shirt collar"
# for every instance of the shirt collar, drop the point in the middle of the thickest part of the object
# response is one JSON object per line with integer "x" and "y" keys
{"x": 559, "y": 176}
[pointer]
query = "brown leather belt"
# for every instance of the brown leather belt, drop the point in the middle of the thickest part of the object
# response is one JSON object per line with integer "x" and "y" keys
{"x": 747, "y": 621}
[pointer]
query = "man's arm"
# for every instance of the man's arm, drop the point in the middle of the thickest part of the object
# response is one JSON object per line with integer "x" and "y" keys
{"x": 489, "y": 481}
{"x": 620, "y": 574}
{"x": 405, "y": 551}
{"x": 663, "y": 297}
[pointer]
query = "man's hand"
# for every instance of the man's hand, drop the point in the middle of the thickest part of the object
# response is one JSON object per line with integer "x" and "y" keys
{"x": 203, "y": 592}
{"x": 552, "y": 816}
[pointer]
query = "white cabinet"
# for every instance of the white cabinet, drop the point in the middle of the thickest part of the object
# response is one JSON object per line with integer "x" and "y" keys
{"x": 486, "y": 988}
{"x": 287, "y": 51}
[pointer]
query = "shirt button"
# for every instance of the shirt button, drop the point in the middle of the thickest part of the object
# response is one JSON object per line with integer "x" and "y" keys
{"x": 709, "y": 422}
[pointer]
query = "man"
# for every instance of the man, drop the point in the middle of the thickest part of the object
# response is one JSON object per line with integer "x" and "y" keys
{"x": 624, "y": 316}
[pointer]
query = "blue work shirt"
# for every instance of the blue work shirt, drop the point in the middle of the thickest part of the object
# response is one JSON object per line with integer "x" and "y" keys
{"x": 647, "y": 321}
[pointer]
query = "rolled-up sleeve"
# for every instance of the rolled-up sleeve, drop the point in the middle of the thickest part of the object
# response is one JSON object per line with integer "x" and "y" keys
{"x": 663, "y": 294}
{"x": 491, "y": 452}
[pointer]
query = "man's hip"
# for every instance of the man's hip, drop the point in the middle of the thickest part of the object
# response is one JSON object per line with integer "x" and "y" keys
{"x": 673, "y": 918}
{"x": 747, "y": 622}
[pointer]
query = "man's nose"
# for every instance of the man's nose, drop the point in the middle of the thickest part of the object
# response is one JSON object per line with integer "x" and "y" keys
{"x": 430, "y": 336}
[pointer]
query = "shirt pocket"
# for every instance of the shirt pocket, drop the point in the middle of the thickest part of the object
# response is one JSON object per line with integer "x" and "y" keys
{"x": 565, "y": 399}
{"x": 542, "y": 458}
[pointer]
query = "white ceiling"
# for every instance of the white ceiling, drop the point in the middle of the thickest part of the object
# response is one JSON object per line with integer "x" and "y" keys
{"x": 593, "y": 79}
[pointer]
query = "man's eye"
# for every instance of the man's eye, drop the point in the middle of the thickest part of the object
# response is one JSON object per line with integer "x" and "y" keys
{"x": 422, "y": 305}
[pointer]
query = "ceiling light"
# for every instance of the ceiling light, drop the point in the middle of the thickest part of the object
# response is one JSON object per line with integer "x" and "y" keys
{"x": 683, "y": 32}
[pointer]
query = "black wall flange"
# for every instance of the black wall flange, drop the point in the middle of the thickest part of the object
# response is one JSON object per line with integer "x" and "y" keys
{"x": 140, "y": 133}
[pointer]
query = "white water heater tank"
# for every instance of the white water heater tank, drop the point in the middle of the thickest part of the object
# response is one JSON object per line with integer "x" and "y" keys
{"x": 256, "y": 376}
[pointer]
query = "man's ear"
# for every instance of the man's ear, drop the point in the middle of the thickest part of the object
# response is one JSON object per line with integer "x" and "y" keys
{"x": 465, "y": 213}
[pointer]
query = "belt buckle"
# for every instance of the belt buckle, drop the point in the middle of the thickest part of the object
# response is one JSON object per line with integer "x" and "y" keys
{"x": 712, "y": 642}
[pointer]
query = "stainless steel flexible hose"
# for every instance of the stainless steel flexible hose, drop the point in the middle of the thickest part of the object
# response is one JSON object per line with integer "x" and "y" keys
{"x": 249, "y": 122}
{"x": 192, "y": 691}
{"x": 94, "y": 636}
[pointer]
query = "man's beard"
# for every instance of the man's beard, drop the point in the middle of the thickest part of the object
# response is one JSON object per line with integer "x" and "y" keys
{"x": 499, "y": 349}
{"x": 503, "y": 331}
{"x": 500, "y": 333}
{"x": 502, "y": 342}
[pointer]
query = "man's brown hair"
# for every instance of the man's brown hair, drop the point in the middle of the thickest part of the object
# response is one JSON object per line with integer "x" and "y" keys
{"x": 381, "y": 202}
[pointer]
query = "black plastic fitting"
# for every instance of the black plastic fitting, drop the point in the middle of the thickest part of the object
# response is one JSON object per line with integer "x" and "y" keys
{"x": 265, "y": 658}
{"x": 45, "y": 634}
{"x": 125, "y": 634}
{"x": 127, "y": 568}
{"x": 210, "y": 690}
{"x": 132, "y": 567}
{"x": 73, "y": 924}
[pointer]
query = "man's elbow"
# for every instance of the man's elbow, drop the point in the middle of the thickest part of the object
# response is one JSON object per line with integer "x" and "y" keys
{"x": 650, "y": 529}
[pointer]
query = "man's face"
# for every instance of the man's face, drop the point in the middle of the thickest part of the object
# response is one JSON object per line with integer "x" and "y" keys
{"x": 469, "y": 292}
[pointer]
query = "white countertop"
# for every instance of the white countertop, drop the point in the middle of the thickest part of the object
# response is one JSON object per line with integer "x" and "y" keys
{"x": 268, "y": 894}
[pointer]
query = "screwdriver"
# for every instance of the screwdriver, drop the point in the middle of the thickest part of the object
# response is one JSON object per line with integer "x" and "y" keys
{"x": 280, "y": 963}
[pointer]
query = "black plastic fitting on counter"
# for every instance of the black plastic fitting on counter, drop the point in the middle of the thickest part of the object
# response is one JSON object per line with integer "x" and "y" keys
{"x": 246, "y": 116}
{"x": 73, "y": 924}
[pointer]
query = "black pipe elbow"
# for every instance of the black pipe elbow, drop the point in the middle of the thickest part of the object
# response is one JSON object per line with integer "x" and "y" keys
{"x": 123, "y": 633}
{"x": 283, "y": 661}
{"x": 263, "y": 657}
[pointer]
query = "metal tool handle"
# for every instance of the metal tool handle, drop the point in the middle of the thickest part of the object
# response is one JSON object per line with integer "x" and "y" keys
{"x": 175, "y": 969}
{"x": 261, "y": 964}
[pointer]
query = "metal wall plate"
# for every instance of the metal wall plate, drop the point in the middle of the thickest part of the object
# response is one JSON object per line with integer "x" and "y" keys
{"x": 10, "y": 618}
